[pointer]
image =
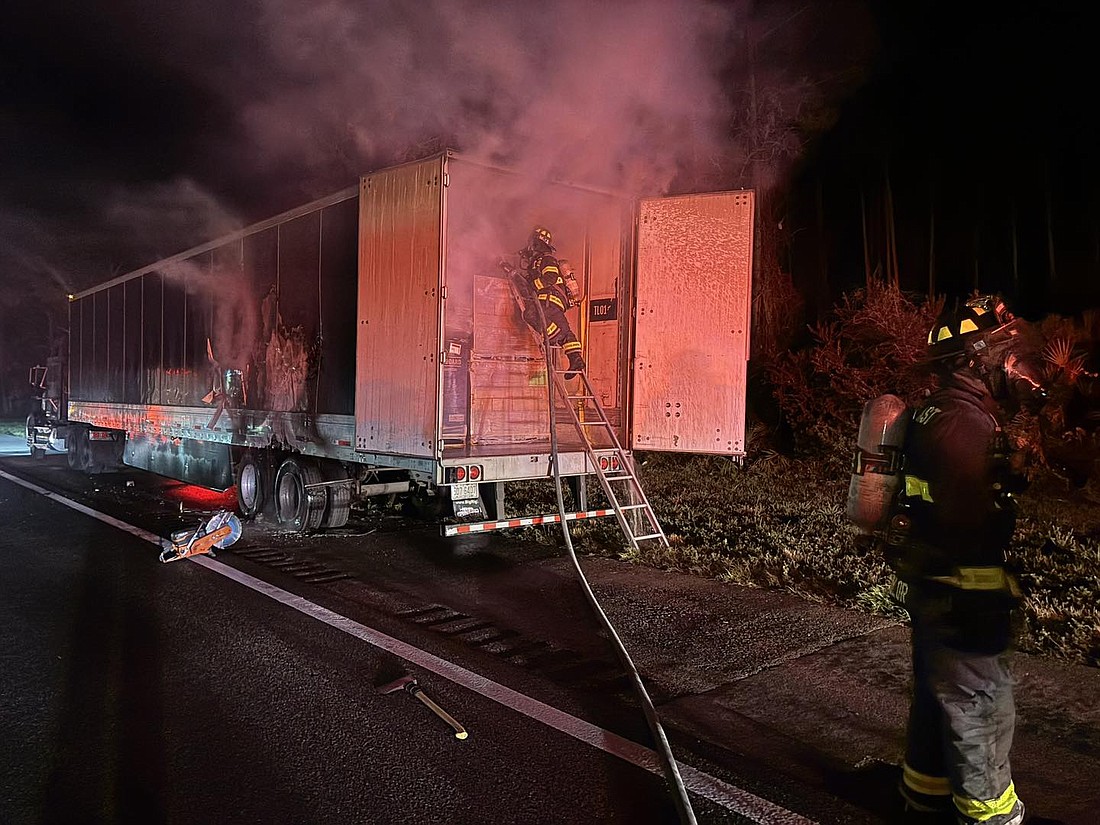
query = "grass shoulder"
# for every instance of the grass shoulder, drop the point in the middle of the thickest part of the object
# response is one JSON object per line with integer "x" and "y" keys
{"x": 780, "y": 523}
{"x": 13, "y": 427}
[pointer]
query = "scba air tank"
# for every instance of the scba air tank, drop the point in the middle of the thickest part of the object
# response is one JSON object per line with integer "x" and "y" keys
{"x": 878, "y": 463}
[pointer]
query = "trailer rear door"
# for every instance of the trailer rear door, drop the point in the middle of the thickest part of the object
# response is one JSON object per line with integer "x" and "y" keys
{"x": 691, "y": 342}
{"x": 397, "y": 354}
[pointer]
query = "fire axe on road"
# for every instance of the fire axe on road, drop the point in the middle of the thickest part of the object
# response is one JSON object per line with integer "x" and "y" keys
{"x": 408, "y": 683}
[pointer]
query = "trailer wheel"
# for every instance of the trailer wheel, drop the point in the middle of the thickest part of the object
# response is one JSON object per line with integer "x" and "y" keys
{"x": 337, "y": 497}
{"x": 298, "y": 507}
{"x": 86, "y": 455}
{"x": 77, "y": 447}
{"x": 253, "y": 480}
{"x": 91, "y": 454}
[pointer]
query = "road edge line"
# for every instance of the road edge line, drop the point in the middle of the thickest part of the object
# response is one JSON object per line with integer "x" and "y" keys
{"x": 709, "y": 787}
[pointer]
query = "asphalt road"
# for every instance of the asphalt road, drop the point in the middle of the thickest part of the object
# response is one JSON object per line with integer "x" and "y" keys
{"x": 140, "y": 692}
{"x": 134, "y": 691}
{"x": 177, "y": 693}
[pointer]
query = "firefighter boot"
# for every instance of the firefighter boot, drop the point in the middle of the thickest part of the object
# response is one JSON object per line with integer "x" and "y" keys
{"x": 927, "y": 809}
{"x": 1013, "y": 817}
{"x": 576, "y": 364}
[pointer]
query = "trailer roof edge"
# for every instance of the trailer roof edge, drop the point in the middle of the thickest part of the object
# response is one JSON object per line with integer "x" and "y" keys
{"x": 275, "y": 220}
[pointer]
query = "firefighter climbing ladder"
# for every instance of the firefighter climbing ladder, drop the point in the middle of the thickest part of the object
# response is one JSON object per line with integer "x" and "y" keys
{"x": 617, "y": 477}
{"x": 619, "y": 481}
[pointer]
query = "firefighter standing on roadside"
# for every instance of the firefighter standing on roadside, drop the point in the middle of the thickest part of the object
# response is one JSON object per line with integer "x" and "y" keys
{"x": 551, "y": 283}
{"x": 958, "y": 485}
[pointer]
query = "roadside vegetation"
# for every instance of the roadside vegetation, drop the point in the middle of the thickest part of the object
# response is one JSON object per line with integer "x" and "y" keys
{"x": 13, "y": 427}
{"x": 777, "y": 518}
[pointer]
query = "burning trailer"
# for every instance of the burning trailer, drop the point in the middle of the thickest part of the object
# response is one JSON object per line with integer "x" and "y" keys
{"x": 369, "y": 344}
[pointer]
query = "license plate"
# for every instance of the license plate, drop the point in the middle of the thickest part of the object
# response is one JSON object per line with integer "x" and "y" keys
{"x": 463, "y": 492}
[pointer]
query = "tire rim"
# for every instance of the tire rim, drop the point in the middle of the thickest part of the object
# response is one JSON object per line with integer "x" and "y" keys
{"x": 290, "y": 499}
{"x": 248, "y": 486}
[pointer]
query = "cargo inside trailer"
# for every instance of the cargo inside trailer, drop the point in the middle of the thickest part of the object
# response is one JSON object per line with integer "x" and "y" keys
{"x": 503, "y": 406}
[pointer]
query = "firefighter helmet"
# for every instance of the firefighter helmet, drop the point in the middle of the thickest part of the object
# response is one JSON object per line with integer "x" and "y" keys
{"x": 968, "y": 328}
{"x": 984, "y": 337}
{"x": 541, "y": 239}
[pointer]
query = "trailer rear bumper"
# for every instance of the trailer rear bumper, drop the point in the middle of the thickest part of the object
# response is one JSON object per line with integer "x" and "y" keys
{"x": 527, "y": 521}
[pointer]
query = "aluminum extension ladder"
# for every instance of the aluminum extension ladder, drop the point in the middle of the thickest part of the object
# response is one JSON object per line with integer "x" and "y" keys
{"x": 619, "y": 482}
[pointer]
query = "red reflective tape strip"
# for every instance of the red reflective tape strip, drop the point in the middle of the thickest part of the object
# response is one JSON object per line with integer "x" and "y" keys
{"x": 485, "y": 526}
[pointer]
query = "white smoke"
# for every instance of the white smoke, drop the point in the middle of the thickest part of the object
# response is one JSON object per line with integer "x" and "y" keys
{"x": 162, "y": 215}
{"x": 609, "y": 93}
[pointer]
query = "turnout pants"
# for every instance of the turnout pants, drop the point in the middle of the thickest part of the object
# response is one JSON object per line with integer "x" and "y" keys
{"x": 557, "y": 325}
{"x": 961, "y": 722}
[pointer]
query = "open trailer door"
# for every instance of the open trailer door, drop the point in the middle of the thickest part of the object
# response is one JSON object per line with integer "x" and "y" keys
{"x": 691, "y": 338}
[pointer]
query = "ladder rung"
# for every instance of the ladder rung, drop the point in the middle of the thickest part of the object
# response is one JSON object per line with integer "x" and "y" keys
{"x": 562, "y": 391}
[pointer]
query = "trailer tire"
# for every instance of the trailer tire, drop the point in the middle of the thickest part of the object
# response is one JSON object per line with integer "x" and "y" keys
{"x": 297, "y": 507}
{"x": 338, "y": 508}
{"x": 252, "y": 476}
{"x": 91, "y": 455}
{"x": 78, "y": 447}
{"x": 337, "y": 497}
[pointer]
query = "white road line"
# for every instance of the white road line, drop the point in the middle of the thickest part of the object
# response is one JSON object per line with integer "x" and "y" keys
{"x": 709, "y": 787}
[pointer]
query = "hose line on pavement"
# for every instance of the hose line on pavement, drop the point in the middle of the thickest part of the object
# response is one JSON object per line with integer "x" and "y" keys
{"x": 664, "y": 751}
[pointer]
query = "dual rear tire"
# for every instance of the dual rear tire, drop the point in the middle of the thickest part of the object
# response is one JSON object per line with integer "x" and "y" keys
{"x": 294, "y": 493}
{"x": 92, "y": 457}
{"x": 253, "y": 478}
{"x": 299, "y": 505}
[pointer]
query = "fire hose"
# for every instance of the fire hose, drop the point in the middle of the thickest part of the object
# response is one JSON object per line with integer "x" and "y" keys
{"x": 664, "y": 751}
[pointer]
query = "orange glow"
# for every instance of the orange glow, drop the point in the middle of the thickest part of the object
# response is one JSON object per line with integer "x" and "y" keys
{"x": 201, "y": 498}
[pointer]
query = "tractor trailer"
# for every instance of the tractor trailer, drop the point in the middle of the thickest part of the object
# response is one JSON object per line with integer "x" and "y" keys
{"x": 369, "y": 344}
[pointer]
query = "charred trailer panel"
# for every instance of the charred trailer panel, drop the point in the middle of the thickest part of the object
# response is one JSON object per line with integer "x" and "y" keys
{"x": 240, "y": 343}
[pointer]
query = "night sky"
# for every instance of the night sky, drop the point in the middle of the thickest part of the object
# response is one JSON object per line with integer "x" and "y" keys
{"x": 986, "y": 118}
{"x": 133, "y": 130}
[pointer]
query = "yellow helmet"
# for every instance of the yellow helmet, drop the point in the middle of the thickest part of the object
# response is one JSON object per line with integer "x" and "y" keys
{"x": 542, "y": 240}
{"x": 962, "y": 330}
